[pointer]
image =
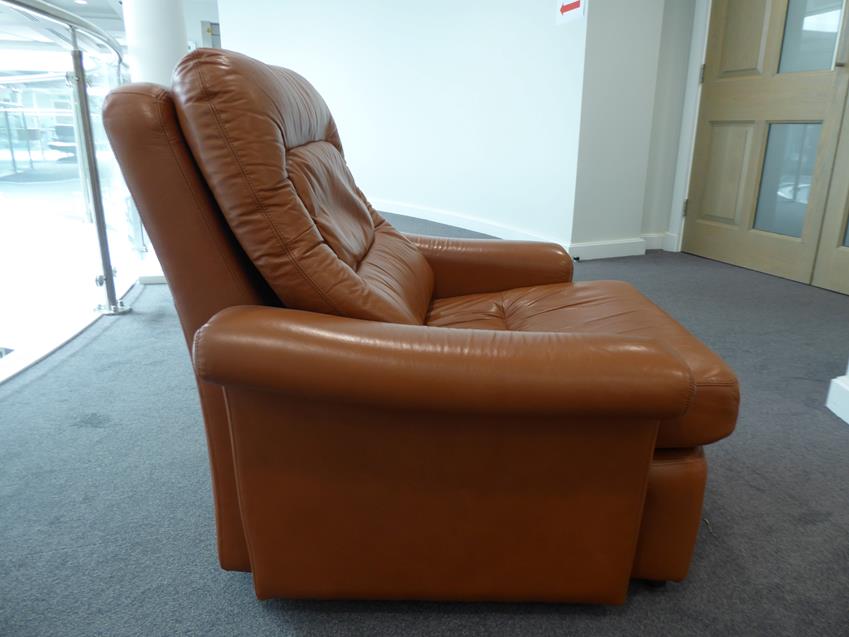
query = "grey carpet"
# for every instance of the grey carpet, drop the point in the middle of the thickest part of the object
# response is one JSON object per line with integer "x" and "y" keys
{"x": 106, "y": 521}
{"x": 421, "y": 226}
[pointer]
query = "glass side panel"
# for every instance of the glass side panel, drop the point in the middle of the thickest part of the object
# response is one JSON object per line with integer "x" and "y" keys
{"x": 791, "y": 153}
{"x": 810, "y": 35}
{"x": 124, "y": 229}
{"x": 49, "y": 257}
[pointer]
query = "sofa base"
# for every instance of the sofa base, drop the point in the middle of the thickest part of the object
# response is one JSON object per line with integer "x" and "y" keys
{"x": 668, "y": 531}
{"x": 671, "y": 515}
{"x": 425, "y": 506}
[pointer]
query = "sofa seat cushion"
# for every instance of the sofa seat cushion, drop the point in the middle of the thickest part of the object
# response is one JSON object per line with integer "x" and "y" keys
{"x": 608, "y": 307}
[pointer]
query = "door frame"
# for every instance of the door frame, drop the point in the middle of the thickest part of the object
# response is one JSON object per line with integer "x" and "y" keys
{"x": 689, "y": 124}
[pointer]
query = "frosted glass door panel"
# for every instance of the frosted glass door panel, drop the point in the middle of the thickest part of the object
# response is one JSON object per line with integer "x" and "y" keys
{"x": 791, "y": 153}
{"x": 810, "y": 35}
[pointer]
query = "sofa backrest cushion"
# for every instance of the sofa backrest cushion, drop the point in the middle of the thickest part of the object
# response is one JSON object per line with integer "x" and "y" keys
{"x": 269, "y": 150}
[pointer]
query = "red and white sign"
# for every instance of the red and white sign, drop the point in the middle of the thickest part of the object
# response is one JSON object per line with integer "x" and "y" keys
{"x": 570, "y": 10}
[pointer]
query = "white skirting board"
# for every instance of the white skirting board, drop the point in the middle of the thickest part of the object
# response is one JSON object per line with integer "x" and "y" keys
{"x": 654, "y": 241}
{"x": 151, "y": 270}
{"x": 607, "y": 249}
{"x": 458, "y": 219}
{"x": 838, "y": 397}
{"x": 626, "y": 247}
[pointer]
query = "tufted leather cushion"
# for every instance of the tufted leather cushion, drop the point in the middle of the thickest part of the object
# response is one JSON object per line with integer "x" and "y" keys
{"x": 609, "y": 307}
{"x": 269, "y": 149}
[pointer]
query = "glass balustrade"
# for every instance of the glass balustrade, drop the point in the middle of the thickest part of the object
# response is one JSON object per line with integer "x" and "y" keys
{"x": 51, "y": 272}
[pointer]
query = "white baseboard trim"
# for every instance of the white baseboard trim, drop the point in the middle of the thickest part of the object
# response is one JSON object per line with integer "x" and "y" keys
{"x": 152, "y": 279}
{"x": 459, "y": 219}
{"x": 661, "y": 241}
{"x": 654, "y": 241}
{"x": 608, "y": 249}
{"x": 151, "y": 270}
{"x": 838, "y": 397}
{"x": 583, "y": 250}
{"x": 670, "y": 242}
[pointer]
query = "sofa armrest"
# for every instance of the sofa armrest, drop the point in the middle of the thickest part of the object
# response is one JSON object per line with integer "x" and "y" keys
{"x": 469, "y": 266}
{"x": 336, "y": 359}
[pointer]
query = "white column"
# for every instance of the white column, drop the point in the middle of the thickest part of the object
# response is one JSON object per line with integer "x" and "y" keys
{"x": 838, "y": 396}
{"x": 617, "y": 109}
{"x": 156, "y": 38}
{"x": 156, "y": 41}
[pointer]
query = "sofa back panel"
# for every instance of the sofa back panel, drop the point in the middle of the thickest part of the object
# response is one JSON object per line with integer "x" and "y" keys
{"x": 330, "y": 196}
{"x": 269, "y": 150}
{"x": 206, "y": 268}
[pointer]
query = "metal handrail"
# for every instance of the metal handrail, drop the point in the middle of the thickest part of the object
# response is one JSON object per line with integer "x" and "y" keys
{"x": 78, "y": 26}
{"x": 57, "y": 14}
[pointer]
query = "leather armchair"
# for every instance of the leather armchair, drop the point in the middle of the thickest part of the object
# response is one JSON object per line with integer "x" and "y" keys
{"x": 475, "y": 266}
{"x": 340, "y": 361}
{"x": 406, "y": 417}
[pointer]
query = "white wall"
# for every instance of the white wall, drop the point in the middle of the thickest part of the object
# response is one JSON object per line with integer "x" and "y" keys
{"x": 195, "y": 12}
{"x": 623, "y": 44}
{"x": 689, "y": 122}
{"x": 462, "y": 112}
{"x": 484, "y": 114}
{"x": 672, "y": 70}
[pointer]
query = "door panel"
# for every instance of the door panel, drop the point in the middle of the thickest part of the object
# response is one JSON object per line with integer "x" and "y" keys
{"x": 788, "y": 170}
{"x": 728, "y": 159}
{"x": 744, "y": 38}
{"x": 766, "y": 139}
{"x": 810, "y": 36}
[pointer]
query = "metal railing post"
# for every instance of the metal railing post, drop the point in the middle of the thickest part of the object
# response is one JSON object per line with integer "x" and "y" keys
{"x": 113, "y": 304}
{"x": 11, "y": 141}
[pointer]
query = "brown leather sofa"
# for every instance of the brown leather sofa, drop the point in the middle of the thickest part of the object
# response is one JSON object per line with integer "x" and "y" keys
{"x": 436, "y": 419}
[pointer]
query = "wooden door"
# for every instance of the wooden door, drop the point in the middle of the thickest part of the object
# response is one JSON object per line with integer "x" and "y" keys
{"x": 771, "y": 113}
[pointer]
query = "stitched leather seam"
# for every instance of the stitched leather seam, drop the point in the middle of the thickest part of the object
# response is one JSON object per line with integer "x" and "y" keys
{"x": 370, "y": 245}
{"x": 307, "y": 143}
{"x": 259, "y": 203}
{"x": 691, "y": 394}
{"x": 240, "y": 489}
{"x": 374, "y": 231}
{"x": 503, "y": 307}
{"x": 359, "y": 262}
{"x": 719, "y": 383}
{"x": 323, "y": 240}
{"x": 302, "y": 233}
{"x": 691, "y": 389}
{"x": 161, "y": 101}
{"x": 668, "y": 463}
{"x": 197, "y": 350}
{"x": 259, "y": 86}
{"x": 125, "y": 90}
